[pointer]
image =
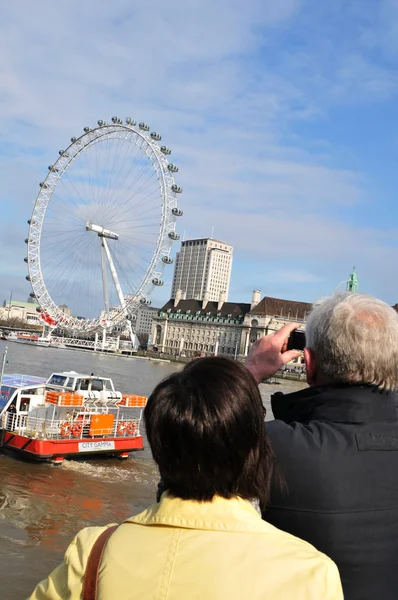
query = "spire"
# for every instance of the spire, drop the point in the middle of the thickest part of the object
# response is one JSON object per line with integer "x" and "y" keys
{"x": 352, "y": 283}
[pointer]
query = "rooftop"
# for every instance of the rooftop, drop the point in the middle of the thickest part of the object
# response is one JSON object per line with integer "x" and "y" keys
{"x": 205, "y": 240}
{"x": 31, "y": 305}
{"x": 278, "y": 307}
{"x": 21, "y": 381}
{"x": 236, "y": 309}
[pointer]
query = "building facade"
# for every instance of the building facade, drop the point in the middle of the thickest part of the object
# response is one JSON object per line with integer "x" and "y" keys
{"x": 25, "y": 311}
{"x": 202, "y": 266}
{"x": 145, "y": 317}
{"x": 194, "y": 327}
{"x": 201, "y": 327}
{"x": 268, "y": 315}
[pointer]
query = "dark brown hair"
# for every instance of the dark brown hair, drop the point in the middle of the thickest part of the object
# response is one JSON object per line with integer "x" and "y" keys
{"x": 205, "y": 426}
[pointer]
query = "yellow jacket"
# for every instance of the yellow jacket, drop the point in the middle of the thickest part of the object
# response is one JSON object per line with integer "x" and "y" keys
{"x": 185, "y": 550}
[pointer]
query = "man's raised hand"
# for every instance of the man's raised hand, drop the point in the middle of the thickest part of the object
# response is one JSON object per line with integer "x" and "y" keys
{"x": 268, "y": 355}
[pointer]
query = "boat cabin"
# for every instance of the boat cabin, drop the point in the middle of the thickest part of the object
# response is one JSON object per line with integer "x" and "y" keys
{"x": 21, "y": 393}
{"x": 70, "y": 381}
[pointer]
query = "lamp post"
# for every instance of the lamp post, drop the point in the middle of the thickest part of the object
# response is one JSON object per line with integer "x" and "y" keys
{"x": 3, "y": 364}
{"x": 9, "y": 307}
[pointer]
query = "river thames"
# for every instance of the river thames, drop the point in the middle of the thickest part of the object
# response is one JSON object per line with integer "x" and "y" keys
{"x": 43, "y": 506}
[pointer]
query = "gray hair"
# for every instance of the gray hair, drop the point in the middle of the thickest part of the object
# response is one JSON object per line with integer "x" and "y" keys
{"x": 355, "y": 340}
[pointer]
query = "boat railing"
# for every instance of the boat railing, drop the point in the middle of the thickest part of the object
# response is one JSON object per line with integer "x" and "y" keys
{"x": 82, "y": 426}
{"x": 15, "y": 422}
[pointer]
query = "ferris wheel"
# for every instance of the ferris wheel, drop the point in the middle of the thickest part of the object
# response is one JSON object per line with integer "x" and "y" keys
{"x": 102, "y": 227}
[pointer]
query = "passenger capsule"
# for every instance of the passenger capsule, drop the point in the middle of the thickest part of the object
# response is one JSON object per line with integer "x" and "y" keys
{"x": 176, "y": 188}
{"x": 156, "y": 136}
{"x": 43, "y": 185}
{"x": 100, "y": 123}
{"x": 145, "y": 301}
{"x": 73, "y": 140}
{"x": 53, "y": 169}
{"x": 63, "y": 153}
{"x": 177, "y": 212}
{"x": 173, "y": 235}
{"x": 131, "y": 121}
{"x": 27, "y": 278}
{"x": 26, "y": 240}
{"x": 167, "y": 260}
{"x": 157, "y": 281}
{"x": 114, "y": 119}
{"x": 26, "y": 259}
{"x": 172, "y": 168}
{"x": 38, "y": 310}
{"x": 144, "y": 126}
{"x": 165, "y": 150}
{"x": 29, "y": 221}
{"x": 86, "y": 129}
{"x": 32, "y": 295}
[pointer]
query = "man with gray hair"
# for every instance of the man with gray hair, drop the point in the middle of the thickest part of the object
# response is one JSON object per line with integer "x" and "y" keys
{"x": 336, "y": 442}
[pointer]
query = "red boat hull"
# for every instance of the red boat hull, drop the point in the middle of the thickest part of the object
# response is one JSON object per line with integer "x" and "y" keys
{"x": 56, "y": 450}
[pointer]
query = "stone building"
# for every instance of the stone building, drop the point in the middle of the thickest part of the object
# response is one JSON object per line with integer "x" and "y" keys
{"x": 145, "y": 315}
{"x": 202, "y": 266}
{"x": 25, "y": 311}
{"x": 192, "y": 327}
{"x": 269, "y": 314}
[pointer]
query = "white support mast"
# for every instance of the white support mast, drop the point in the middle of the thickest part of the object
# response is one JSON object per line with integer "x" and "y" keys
{"x": 114, "y": 275}
{"x": 105, "y": 234}
{"x": 104, "y": 279}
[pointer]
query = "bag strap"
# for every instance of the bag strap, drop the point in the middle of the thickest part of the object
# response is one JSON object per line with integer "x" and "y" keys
{"x": 90, "y": 583}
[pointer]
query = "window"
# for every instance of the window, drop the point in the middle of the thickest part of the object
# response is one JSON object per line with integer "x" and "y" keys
{"x": 82, "y": 384}
{"x": 97, "y": 385}
{"x": 57, "y": 380}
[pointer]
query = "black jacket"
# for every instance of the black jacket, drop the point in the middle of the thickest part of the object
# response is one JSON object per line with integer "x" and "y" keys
{"x": 337, "y": 448}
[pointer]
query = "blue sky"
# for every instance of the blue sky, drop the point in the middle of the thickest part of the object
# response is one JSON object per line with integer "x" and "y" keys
{"x": 282, "y": 117}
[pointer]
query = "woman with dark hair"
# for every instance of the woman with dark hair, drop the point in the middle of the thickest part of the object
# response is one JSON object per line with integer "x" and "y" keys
{"x": 205, "y": 538}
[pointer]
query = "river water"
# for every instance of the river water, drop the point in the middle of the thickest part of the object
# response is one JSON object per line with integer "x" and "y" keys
{"x": 42, "y": 506}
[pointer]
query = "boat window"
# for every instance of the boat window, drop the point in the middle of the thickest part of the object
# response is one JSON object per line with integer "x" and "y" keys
{"x": 57, "y": 380}
{"x": 24, "y": 406}
{"x": 97, "y": 385}
{"x": 83, "y": 384}
{"x": 6, "y": 393}
{"x": 69, "y": 382}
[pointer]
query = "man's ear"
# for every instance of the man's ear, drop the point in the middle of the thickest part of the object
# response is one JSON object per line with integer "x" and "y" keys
{"x": 310, "y": 366}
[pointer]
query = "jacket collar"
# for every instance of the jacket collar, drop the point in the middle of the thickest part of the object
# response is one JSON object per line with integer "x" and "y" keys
{"x": 338, "y": 404}
{"x": 220, "y": 514}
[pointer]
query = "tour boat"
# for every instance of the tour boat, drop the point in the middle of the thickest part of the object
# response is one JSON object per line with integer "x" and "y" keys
{"x": 12, "y": 337}
{"x": 32, "y": 340}
{"x": 69, "y": 414}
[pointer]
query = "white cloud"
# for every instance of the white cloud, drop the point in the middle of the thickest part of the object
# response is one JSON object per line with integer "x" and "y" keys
{"x": 200, "y": 73}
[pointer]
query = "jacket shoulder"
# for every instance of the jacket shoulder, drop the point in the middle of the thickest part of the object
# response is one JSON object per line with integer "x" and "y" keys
{"x": 279, "y": 430}
{"x": 314, "y": 572}
{"x": 66, "y": 581}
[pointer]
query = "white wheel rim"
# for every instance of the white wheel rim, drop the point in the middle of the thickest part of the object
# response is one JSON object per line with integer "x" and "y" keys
{"x": 40, "y": 253}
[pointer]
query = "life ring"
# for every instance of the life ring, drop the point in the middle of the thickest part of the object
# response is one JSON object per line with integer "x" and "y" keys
{"x": 77, "y": 429}
{"x": 65, "y": 430}
{"x": 121, "y": 428}
{"x": 131, "y": 428}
